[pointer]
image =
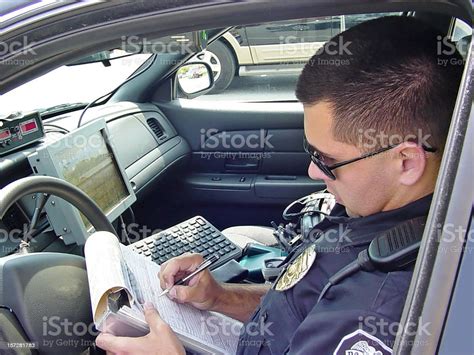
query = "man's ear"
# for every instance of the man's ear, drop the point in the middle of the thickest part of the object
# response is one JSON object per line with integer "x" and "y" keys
{"x": 412, "y": 160}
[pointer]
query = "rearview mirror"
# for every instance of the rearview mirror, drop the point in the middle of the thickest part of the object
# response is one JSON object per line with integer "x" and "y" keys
{"x": 195, "y": 79}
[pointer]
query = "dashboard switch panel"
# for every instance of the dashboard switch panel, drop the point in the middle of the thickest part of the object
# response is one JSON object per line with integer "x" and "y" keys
{"x": 19, "y": 130}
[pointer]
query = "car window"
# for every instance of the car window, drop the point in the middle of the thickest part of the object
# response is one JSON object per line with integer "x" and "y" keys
{"x": 261, "y": 62}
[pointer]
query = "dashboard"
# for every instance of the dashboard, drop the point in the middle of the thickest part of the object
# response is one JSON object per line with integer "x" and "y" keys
{"x": 146, "y": 145}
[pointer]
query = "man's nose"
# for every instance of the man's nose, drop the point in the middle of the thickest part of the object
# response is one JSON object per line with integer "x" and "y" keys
{"x": 315, "y": 173}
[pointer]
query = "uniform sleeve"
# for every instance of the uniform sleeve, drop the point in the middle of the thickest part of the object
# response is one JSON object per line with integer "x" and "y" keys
{"x": 344, "y": 332}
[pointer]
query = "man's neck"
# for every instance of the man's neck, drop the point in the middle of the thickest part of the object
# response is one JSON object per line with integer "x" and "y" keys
{"x": 407, "y": 194}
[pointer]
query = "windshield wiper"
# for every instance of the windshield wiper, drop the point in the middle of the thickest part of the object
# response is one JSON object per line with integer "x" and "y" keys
{"x": 62, "y": 108}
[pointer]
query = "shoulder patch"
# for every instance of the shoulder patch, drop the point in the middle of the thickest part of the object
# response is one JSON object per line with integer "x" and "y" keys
{"x": 361, "y": 343}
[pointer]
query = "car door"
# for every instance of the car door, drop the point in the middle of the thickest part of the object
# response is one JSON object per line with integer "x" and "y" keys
{"x": 247, "y": 161}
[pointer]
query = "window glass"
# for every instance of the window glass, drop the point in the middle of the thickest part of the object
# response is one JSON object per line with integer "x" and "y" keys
{"x": 83, "y": 82}
{"x": 261, "y": 62}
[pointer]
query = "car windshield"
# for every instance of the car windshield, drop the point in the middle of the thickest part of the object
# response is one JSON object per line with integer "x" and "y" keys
{"x": 71, "y": 84}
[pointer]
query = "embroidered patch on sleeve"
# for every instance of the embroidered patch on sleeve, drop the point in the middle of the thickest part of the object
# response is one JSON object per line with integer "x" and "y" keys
{"x": 361, "y": 343}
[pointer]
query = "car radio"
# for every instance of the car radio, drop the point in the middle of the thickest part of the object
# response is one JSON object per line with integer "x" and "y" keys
{"x": 19, "y": 130}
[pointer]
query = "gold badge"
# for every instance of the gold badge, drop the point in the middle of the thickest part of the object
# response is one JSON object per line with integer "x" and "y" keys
{"x": 297, "y": 270}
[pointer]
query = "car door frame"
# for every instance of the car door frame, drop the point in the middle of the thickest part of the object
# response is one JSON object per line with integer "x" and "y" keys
{"x": 440, "y": 255}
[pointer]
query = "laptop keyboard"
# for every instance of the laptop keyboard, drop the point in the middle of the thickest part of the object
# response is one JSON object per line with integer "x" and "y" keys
{"x": 195, "y": 235}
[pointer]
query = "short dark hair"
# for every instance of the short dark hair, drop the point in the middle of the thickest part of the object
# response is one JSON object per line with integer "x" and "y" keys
{"x": 393, "y": 75}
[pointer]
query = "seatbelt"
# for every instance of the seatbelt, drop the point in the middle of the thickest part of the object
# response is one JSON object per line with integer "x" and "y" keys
{"x": 393, "y": 250}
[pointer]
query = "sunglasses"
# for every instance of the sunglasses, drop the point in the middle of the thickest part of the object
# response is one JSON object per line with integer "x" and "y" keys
{"x": 319, "y": 160}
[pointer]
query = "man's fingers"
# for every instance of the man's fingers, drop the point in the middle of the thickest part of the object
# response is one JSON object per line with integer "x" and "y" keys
{"x": 152, "y": 317}
{"x": 115, "y": 344}
{"x": 183, "y": 294}
{"x": 184, "y": 263}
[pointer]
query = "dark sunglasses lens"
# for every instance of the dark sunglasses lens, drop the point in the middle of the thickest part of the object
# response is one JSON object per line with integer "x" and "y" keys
{"x": 327, "y": 171}
{"x": 316, "y": 159}
{"x": 323, "y": 167}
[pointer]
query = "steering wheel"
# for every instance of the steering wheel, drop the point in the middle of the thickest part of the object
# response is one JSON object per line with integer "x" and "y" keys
{"x": 39, "y": 289}
{"x": 57, "y": 187}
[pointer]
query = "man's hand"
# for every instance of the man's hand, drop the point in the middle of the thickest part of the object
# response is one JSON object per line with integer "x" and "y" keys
{"x": 205, "y": 293}
{"x": 202, "y": 290}
{"x": 160, "y": 340}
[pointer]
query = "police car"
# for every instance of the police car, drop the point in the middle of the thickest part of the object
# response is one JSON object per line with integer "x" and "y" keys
{"x": 172, "y": 150}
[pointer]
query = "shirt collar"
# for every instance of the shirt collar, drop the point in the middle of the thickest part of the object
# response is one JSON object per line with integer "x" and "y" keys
{"x": 361, "y": 230}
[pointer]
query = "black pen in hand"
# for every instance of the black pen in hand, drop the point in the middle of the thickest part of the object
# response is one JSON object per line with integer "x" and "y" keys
{"x": 203, "y": 266}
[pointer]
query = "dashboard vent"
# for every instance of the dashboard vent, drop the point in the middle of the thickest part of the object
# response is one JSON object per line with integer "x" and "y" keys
{"x": 155, "y": 127}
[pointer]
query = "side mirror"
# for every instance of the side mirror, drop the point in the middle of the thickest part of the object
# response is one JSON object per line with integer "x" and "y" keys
{"x": 194, "y": 79}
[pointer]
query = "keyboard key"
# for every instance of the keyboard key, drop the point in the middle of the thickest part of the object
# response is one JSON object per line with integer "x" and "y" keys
{"x": 201, "y": 221}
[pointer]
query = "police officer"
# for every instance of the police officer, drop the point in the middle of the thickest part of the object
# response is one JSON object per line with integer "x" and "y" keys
{"x": 377, "y": 107}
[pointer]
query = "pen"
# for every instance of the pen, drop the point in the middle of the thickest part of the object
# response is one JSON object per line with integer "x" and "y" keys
{"x": 203, "y": 266}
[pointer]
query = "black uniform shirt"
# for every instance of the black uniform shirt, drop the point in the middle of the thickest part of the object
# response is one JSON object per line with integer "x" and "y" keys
{"x": 357, "y": 316}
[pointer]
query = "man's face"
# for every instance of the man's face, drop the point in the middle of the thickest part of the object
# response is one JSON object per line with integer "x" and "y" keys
{"x": 363, "y": 187}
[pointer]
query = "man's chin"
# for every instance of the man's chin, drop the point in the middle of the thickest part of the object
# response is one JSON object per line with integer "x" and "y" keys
{"x": 351, "y": 213}
{"x": 338, "y": 199}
